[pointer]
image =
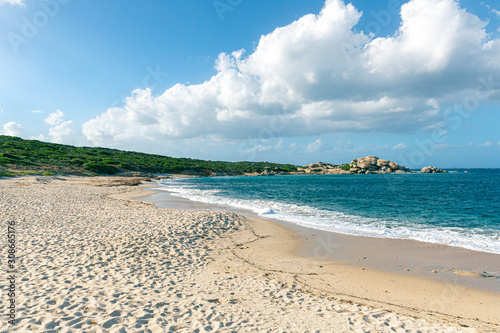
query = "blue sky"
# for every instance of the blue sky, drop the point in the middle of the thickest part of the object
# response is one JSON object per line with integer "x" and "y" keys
{"x": 416, "y": 81}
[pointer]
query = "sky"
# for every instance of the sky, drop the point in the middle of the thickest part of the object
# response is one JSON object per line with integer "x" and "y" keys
{"x": 290, "y": 81}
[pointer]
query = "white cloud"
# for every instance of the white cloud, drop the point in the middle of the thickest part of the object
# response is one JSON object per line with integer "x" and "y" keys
{"x": 13, "y": 2}
{"x": 486, "y": 144}
{"x": 36, "y": 111}
{"x": 40, "y": 137}
{"x": 61, "y": 131}
{"x": 419, "y": 50}
{"x": 320, "y": 75}
{"x": 496, "y": 12}
{"x": 401, "y": 145}
{"x": 14, "y": 129}
{"x": 55, "y": 118}
{"x": 344, "y": 146}
{"x": 262, "y": 148}
{"x": 447, "y": 146}
{"x": 315, "y": 146}
{"x": 64, "y": 133}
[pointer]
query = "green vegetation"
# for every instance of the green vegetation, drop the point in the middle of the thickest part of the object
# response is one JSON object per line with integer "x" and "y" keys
{"x": 22, "y": 157}
{"x": 346, "y": 167}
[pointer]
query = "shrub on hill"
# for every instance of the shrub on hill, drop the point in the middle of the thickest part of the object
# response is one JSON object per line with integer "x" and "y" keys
{"x": 101, "y": 168}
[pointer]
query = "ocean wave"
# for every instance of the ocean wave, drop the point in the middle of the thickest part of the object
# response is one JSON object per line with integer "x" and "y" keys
{"x": 472, "y": 239}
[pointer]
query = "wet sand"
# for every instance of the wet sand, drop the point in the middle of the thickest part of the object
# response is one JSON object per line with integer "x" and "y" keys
{"x": 399, "y": 273}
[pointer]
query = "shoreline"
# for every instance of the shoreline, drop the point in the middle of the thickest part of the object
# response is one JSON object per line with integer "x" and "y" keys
{"x": 440, "y": 276}
{"x": 451, "y": 226}
{"x": 95, "y": 257}
{"x": 438, "y": 262}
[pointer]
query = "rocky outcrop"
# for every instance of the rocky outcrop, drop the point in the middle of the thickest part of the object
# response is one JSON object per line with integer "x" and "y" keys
{"x": 431, "y": 169}
{"x": 363, "y": 165}
{"x": 266, "y": 172}
{"x": 321, "y": 168}
{"x": 375, "y": 165}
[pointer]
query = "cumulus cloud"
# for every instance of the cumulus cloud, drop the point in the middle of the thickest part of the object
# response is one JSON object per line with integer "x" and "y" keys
{"x": 314, "y": 146}
{"x": 447, "y": 146}
{"x": 13, "y": 2}
{"x": 64, "y": 133}
{"x": 39, "y": 137}
{"x": 486, "y": 144}
{"x": 318, "y": 75}
{"x": 55, "y": 118}
{"x": 14, "y": 129}
{"x": 399, "y": 146}
{"x": 263, "y": 148}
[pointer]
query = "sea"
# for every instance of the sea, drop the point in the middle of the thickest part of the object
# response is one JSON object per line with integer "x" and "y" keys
{"x": 459, "y": 209}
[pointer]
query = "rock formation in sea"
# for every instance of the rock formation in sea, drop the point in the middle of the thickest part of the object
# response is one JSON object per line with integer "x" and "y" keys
{"x": 431, "y": 169}
{"x": 373, "y": 164}
{"x": 363, "y": 165}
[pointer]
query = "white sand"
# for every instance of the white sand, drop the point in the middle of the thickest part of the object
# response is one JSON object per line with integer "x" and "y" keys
{"x": 91, "y": 263}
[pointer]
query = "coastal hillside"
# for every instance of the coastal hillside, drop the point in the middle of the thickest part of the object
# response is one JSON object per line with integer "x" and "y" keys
{"x": 26, "y": 157}
{"x": 31, "y": 157}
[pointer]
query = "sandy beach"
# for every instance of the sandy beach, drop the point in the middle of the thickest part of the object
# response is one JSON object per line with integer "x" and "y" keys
{"x": 91, "y": 257}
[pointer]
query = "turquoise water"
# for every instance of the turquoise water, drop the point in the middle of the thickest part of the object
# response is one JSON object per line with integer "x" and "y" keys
{"x": 459, "y": 209}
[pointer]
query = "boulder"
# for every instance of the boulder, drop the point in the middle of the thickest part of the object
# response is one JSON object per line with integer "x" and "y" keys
{"x": 393, "y": 166}
{"x": 385, "y": 169}
{"x": 431, "y": 169}
{"x": 339, "y": 172}
{"x": 426, "y": 169}
{"x": 363, "y": 165}
{"x": 382, "y": 163}
{"x": 266, "y": 172}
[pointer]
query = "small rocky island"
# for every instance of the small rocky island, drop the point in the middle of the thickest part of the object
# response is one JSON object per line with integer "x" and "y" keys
{"x": 431, "y": 169}
{"x": 363, "y": 165}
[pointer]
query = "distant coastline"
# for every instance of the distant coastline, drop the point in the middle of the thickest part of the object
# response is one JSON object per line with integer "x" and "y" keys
{"x": 19, "y": 157}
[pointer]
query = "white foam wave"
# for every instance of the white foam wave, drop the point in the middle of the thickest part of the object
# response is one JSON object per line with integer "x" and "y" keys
{"x": 473, "y": 239}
